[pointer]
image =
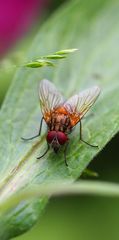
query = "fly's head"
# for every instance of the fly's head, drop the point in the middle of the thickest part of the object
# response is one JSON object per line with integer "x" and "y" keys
{"x": 56, "y": 139}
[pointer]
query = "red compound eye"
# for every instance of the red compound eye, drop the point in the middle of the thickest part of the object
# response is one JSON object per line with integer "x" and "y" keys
{"x": 61, "y": 137}
{"x": 50, "y": 136}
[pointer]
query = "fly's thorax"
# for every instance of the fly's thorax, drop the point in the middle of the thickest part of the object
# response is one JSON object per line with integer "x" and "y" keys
{"x": 59, "y": 122}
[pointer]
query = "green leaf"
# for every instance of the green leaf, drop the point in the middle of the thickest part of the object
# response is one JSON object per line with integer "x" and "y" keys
{"x": 92, "y": 27}
{"x": 62, "y": 188}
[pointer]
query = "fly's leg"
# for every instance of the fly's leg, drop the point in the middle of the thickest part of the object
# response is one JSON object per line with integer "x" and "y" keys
{"x": 65, "y": 153}
{"x": 44, "y": 152}
{"x": 26, "y": 139}
{"x": 81, "y": 139}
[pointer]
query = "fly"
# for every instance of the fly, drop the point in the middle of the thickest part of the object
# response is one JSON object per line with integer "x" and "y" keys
{"x": 61, "y": 116}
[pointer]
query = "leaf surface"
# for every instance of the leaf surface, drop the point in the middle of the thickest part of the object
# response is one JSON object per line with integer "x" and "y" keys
{"x": 92, "y": 27}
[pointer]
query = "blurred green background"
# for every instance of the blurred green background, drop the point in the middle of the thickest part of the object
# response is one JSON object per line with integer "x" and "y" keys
{"x": 81, "y": 217}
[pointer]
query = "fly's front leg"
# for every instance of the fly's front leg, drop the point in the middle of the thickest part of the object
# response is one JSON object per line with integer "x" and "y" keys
{"x": 81, "y": 139}
{"x": 48, "y": 147}
{"x": 65, "y": 153}
{"x": 26, "y": 139}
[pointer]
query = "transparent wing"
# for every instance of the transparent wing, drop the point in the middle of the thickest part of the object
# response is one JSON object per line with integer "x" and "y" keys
{"x": 49, "y": 96}
{"x": 79, "y": 104}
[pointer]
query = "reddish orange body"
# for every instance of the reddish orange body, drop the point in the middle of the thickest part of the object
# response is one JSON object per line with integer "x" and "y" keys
{"x": 60, "y": 123}
{"x": 61, "y": 120}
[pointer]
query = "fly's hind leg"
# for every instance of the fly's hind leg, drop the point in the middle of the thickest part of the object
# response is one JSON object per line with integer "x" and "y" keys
{"x": 81, "y": 139}
{"x": 27, "y": 139}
